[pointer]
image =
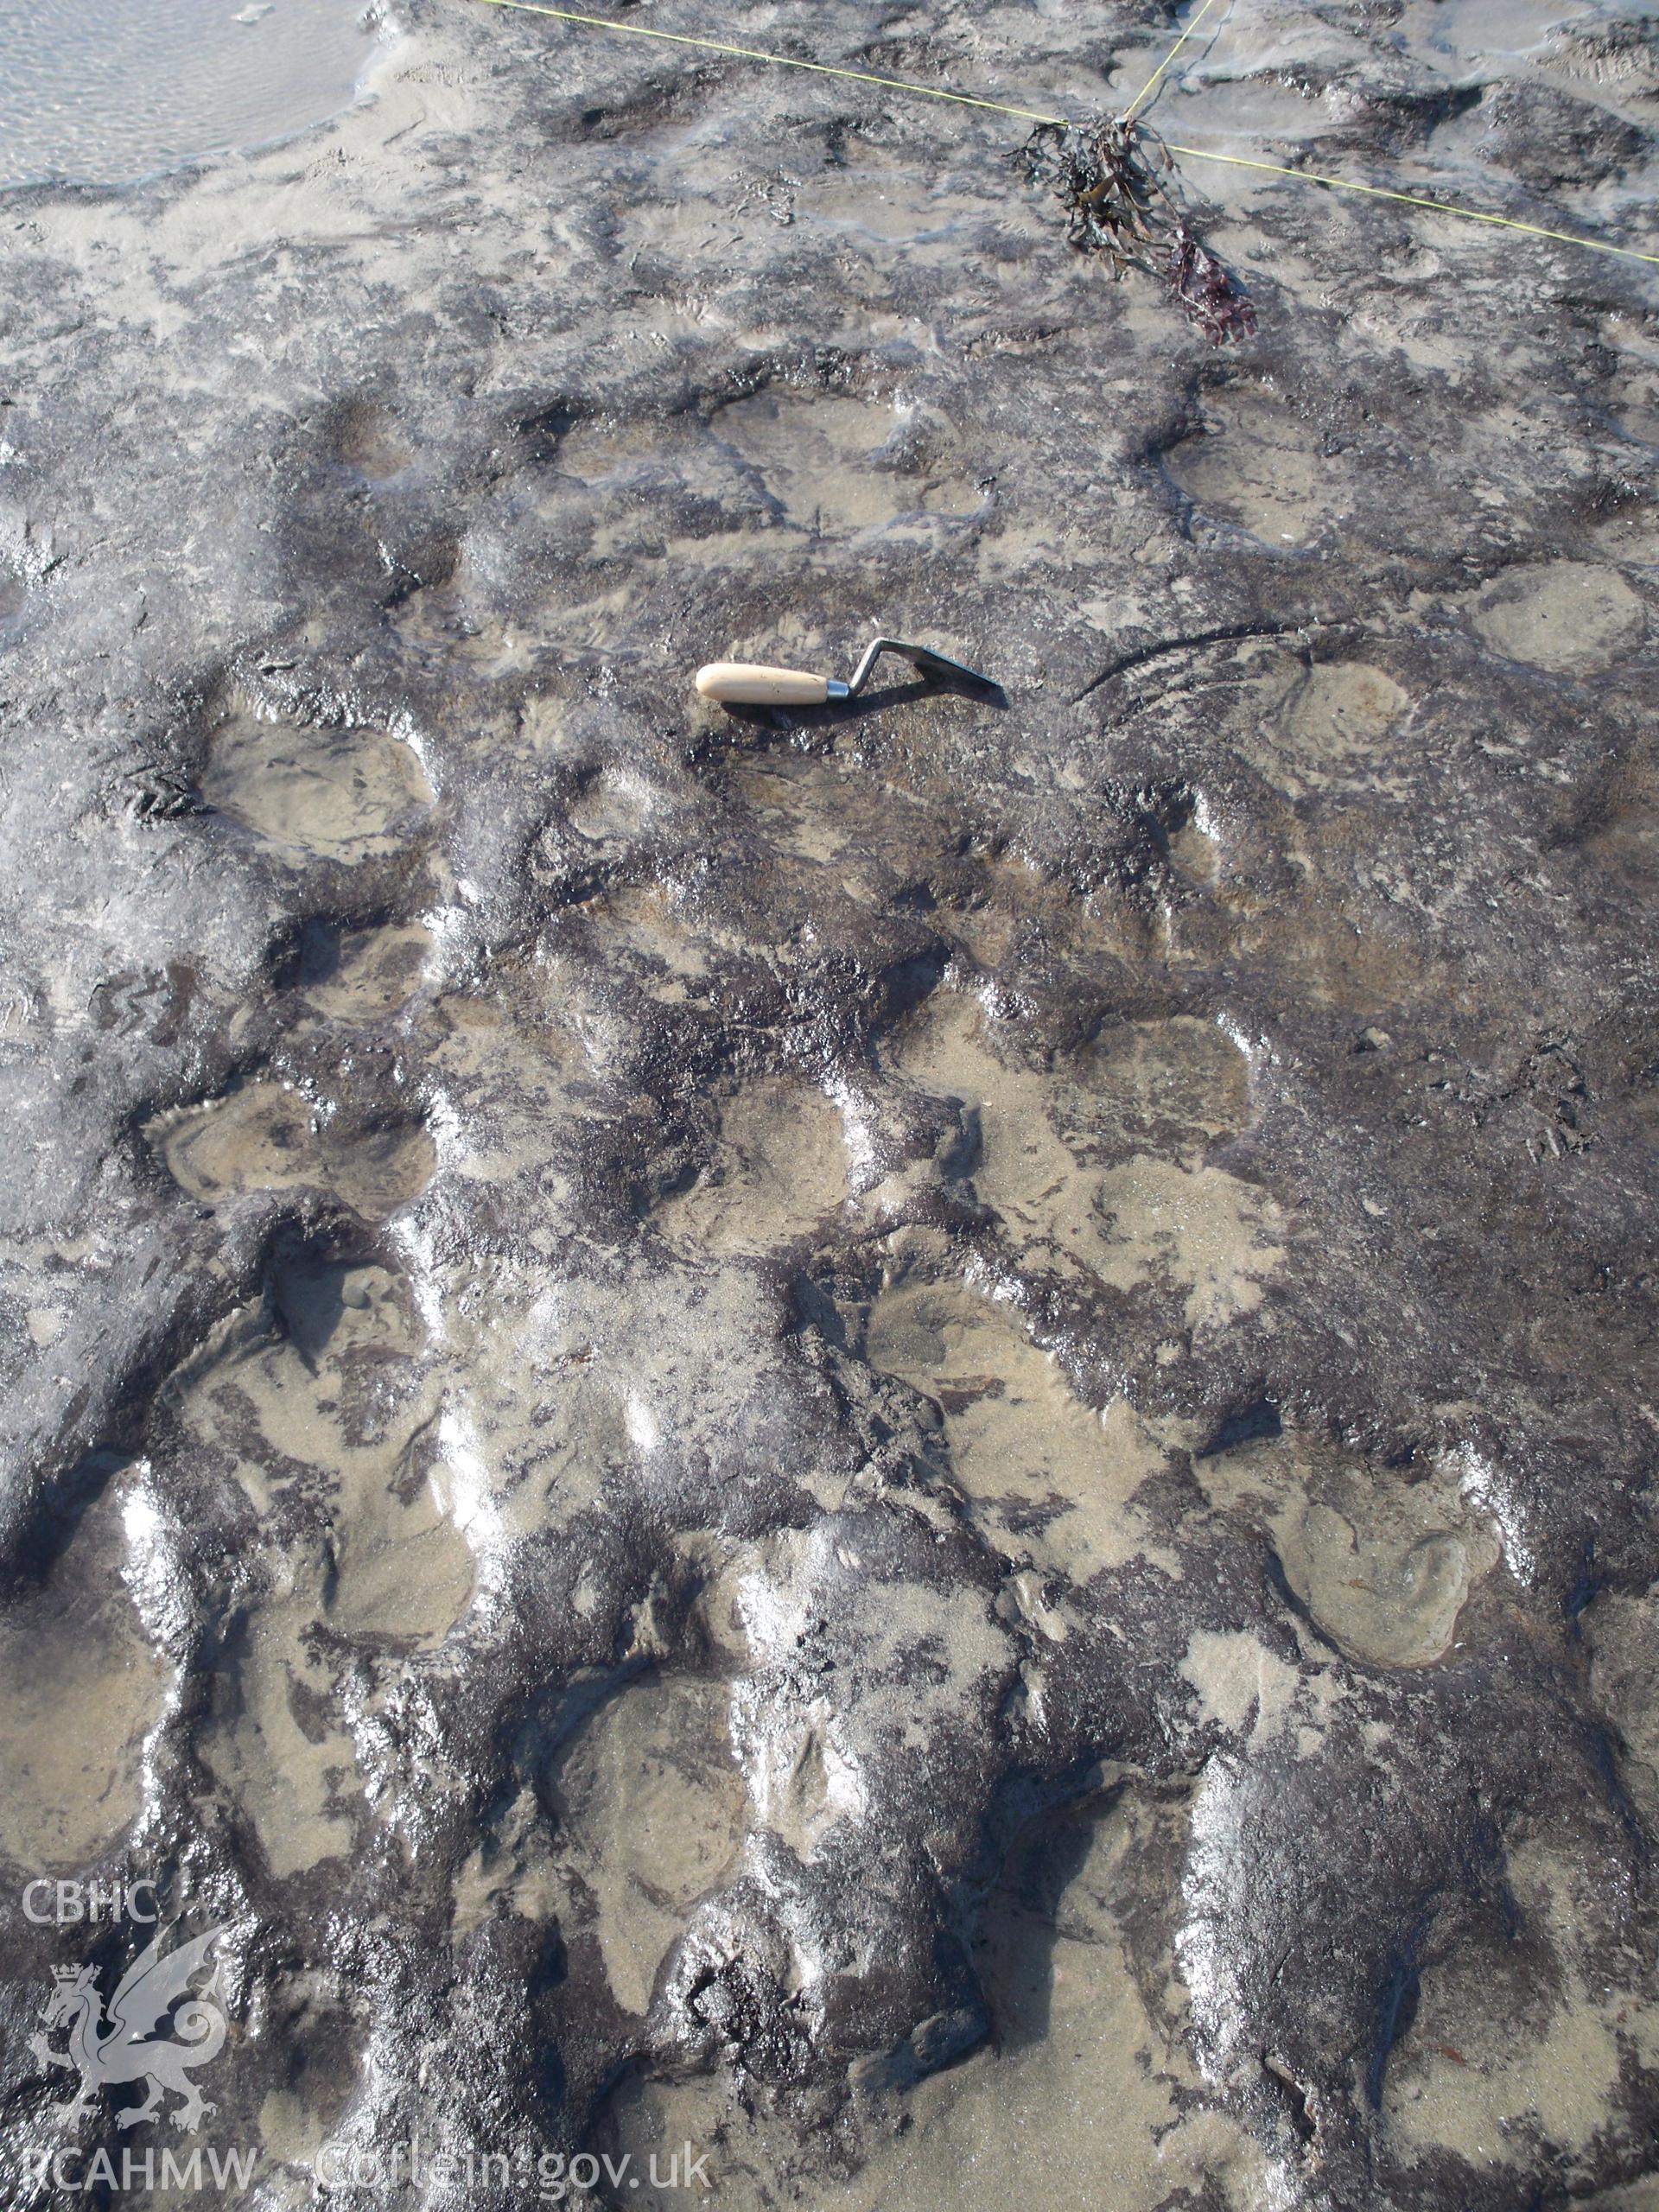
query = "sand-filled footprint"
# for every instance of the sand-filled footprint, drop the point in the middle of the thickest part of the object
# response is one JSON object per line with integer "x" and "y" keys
{"x": 1256, "y": 464}
{"x": 328, "y": 1427}
{"x": 322, "y": 1411}
{"x": 1078, "y": 2079}
{"x": 779, "y": 1168}
{"x": 268, "y": 1137}
{"x": 273, "y": 1748}
{"x": 1099, "y": 1163}
{"x": 364, "y": 975}
{"x": 1335, "y": 724}
{"x": 511, "y": 1088}
{"x": 1513, "y": 2044}
{"x": 839, "y": 464}
{"x": 83, "y": 1688}
{"x": 1572, "y": 617}
{"x": 341, "y": 794}
{"x": 1390, "y": 1596}
{"x": 650, "y": 1810}
{"x": 1023, "y": 1168}
{"x": 1046, "y": 1479}
{"x": 1208, "y": 1236}
{"x": 1079, "y": 2095}
{"x": 1384, "y": 1565}
{"x": 1622, "y": 1631}
{"x": 1172, "y": 1085}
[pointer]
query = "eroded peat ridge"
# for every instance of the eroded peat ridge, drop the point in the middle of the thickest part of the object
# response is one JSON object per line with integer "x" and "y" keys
{"x": 912, "y": 1443}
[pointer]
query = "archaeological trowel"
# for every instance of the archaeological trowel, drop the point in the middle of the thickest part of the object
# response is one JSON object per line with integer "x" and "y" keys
{"x": 750, "y": 683}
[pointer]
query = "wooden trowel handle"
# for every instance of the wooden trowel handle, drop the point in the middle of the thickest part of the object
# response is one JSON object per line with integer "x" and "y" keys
{"x": 748, "y": 684}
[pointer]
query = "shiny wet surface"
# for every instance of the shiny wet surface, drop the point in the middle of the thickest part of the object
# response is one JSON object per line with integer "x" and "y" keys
{"x": 912, "y": 1443}
{"x": 101, "y": 94}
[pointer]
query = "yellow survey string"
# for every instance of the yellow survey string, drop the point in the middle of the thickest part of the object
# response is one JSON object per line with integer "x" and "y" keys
{"x": 1030, "y": 115}
{"x": 1146, "y": 88}
{"x": 1413, "y": 199}
{"x": 778, "y": 60}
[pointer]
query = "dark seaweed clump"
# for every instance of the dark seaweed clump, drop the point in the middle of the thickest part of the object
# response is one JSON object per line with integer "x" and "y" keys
{"x": 1116, "y": 206}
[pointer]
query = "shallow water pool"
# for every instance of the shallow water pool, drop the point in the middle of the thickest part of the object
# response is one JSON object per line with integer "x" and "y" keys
{"x": 102, "y": 95}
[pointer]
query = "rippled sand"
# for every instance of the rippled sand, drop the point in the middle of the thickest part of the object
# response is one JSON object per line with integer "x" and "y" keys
{"x": 102, "y": 94}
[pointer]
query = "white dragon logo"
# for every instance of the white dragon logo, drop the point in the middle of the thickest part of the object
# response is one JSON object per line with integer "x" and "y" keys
{"x": 123, "y": 2048}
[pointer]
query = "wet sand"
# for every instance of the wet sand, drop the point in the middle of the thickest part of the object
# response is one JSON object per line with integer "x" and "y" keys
{"x": 912, "y": 1442}
{"x": 99, "y": 95}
